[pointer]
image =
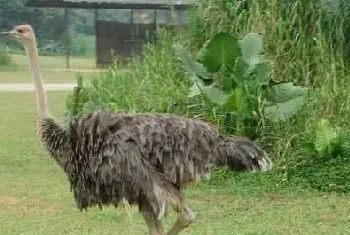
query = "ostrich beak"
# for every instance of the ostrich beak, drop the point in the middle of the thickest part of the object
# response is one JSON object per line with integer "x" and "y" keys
{"x": 11, "y": 34}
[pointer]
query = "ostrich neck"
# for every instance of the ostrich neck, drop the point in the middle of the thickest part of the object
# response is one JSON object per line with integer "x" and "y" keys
{"x": 38, "y": 83}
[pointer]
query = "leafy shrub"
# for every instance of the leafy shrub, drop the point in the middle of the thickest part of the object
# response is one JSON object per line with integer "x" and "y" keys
{"x": 233, "y": 75}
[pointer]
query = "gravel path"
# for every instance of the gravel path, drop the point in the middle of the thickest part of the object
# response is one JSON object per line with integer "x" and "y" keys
{"x": 30, "y": 86}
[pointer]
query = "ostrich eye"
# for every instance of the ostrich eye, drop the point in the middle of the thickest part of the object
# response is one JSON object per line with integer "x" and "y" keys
{"x": 20, "y": 31}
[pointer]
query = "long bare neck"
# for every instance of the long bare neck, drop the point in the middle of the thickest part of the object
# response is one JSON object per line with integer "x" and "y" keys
{"x": 32, "y": 51}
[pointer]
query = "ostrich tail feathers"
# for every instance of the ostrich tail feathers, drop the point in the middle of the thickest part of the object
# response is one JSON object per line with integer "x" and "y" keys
{"x": 241, "y": 154}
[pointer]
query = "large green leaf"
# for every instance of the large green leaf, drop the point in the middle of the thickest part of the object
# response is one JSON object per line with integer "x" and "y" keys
{"x": 283, "y": 111}
{"x": 325, "y": 135}
{"x": 285, "y": 101}
{"x": 196, "y": 88}
{"x": 215, "y": 95}
{"x": 190, "y": 66}
{"x": 194, "y": 91}
{"x": 236, "y": 100}
{"x": 225, "y": 80}
{"x": 239, "y": 70}
{"x": 252, "y": 47}
{"x": 221, "y": 50}
{"x": 284, "y": 92}
{"x": 259, "y": 74}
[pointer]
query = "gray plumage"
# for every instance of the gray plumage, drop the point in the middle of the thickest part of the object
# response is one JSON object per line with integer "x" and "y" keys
{"x": 110, "y": 156}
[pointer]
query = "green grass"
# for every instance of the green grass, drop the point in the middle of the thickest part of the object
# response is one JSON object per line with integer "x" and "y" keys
{"x": 35, "y": 197}
{"x": 53, "y": 69}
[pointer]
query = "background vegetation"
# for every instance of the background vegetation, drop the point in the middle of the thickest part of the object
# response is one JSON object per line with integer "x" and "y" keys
{"x": 292, "y": 97}
{"x": 305, "y": 42}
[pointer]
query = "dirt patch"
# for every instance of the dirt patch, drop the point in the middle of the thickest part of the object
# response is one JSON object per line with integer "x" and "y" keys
{"x": 330, "y": 217}
{"x": 28, "y": 205}
{"x": 8, "y": 200}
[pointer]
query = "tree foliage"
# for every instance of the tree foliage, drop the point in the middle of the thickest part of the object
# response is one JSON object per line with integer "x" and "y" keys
{"x": 49, "y": 25}
{"x": 14, "y": 12}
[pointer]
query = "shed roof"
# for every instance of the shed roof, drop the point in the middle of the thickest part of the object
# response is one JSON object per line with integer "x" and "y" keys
{"x": 111, "y": 4}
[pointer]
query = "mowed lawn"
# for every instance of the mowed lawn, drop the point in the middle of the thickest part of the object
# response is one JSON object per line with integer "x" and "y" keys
{"x": 53, "y": 69}
{"x": 35, "y": 197}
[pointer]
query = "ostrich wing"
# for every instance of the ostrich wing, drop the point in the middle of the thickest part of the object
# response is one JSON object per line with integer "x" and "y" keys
{"x": 173, "y": 149}
{"x": 119, "y": 171}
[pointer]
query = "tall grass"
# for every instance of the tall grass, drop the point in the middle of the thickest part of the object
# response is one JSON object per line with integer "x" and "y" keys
{"x": 151, "y": 83}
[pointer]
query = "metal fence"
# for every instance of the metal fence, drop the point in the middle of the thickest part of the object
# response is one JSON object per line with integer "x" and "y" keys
{"x": 121, "y": 39}
{"x": 125, "y": 35}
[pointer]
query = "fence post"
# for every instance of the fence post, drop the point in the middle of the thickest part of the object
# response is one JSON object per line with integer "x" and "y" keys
{"x": 96, "y": 36}
{"x": 68, "y": 41}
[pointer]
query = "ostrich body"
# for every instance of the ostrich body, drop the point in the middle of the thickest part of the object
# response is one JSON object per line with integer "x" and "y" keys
{"x": 145, "y": 159}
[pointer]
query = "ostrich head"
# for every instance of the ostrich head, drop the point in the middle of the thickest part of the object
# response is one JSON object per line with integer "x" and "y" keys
{"x": 22, "y": 33}
{"x": 25, "y": 35}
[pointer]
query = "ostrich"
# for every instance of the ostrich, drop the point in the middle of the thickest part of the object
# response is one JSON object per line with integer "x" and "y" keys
{"x": 145, "y": 159}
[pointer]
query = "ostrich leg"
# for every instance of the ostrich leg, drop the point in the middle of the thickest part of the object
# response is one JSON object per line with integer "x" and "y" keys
{"x": 185, "y": 217}
{"x": 155, "y": 226}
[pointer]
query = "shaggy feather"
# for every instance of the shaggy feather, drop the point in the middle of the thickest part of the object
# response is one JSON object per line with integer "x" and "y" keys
{"x": 144, "y": 158}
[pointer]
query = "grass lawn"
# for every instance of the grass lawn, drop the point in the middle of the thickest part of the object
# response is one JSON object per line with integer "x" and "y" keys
{"x": 53, "y": 69}
{"x": 56, "y": 62}
{"x": 35, "y": 196}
